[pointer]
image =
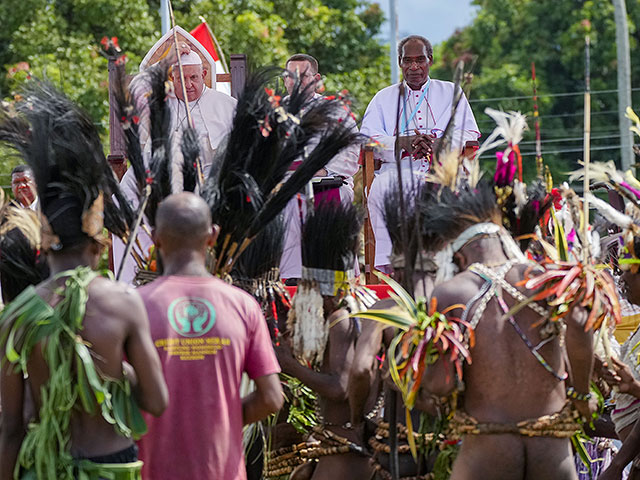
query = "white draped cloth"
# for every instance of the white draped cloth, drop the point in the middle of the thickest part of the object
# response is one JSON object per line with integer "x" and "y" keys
{"x": 212, "y": 115}
{"x": 345, "y": 164}
{"x": 428, "y": 111}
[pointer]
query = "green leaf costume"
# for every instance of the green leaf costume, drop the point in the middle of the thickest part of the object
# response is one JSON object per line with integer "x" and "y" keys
{"x": 74, "y": 383}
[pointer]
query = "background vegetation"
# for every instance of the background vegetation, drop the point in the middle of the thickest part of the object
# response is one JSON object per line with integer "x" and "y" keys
{"x": 59, "y": 39}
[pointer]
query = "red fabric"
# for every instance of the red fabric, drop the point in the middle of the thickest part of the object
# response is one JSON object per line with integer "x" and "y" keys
{"x": 331, "y": 195}
{"x": 381, "y": 290}
{"x": 206, "y": 333}
{"x": 201, "y": 33}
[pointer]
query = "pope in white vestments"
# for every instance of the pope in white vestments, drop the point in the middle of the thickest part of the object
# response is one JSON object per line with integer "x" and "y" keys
{"x": 212, "y": 115}
{"x": 420, "y": 107}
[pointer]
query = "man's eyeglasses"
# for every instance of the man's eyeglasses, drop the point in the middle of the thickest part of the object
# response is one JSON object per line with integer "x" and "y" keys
{"x": 294, "y": 76}
{"x": 417, "y": 60}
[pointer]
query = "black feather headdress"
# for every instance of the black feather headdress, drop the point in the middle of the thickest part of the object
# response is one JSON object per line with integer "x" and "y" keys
{"x": 75, "y": 184}
{"x": 248, "y": 185}
{"x": 446, "y": 213}
{"x": 146, "y": 119}
{"x": 256, "y": 272}
{"x": 330, "y": 237}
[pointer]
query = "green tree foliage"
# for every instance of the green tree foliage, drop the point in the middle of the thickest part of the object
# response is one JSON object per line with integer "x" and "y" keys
{"x": 507, "y": 35}
{"x": 60, "y": 40}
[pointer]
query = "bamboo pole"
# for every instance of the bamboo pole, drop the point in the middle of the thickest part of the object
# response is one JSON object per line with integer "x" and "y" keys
{"x": 536, "y": 116}
{"x": 587, "y": 145}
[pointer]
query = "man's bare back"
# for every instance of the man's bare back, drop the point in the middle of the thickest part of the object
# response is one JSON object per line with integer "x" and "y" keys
{"x": 506, "y": 384}
{"x": 115, "y": 324}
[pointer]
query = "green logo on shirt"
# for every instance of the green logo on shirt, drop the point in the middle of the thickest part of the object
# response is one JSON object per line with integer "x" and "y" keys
{"x": 191, "y": 316}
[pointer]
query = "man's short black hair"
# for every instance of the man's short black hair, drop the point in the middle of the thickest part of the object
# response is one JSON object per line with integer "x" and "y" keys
{"x": 303, "y": 57}
{"x": 419, "y": 38}
{"x": 22, "y": 169}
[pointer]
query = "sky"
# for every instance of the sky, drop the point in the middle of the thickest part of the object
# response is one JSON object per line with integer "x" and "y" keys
{"x": 434, "y": 19}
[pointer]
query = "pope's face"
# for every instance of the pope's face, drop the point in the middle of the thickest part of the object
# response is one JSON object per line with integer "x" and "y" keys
{"x": 193, "y": 81}
{"x": 303, "y": 71}
{"x": 23, "y": 187}
{"x": 415, "y": 64}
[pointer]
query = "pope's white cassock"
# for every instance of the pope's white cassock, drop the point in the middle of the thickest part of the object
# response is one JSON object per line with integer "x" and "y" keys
{"x": 427, "y": 110}
{"x": 345, "y": 164}
{"x": 212, "y": 115}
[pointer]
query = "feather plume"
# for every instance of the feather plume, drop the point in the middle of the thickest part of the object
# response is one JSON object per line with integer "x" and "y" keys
{"x": 510, "y": 127}
{"x": 446, "y": 213}
{"x": 264, "y": 253}
{"x": 611, "y": 214}
{"x": 248, "y": 187}
{"x": 63, "y": 148}
{"x": 331, "y": 235}
{"x": 146, "y": 119}
{"x": 190, "y": 155}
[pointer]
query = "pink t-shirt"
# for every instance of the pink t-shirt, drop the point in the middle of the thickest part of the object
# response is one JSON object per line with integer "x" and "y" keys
{"x": 207, "y": 333}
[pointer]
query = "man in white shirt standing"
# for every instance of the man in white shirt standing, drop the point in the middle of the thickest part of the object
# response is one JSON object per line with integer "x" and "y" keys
{"x": 420, "y": 108}
{"x": 345, "y": 164}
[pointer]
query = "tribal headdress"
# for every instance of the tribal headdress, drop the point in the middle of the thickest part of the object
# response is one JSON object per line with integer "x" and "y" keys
{"x": 22, "y": 261}
{"x": 75, "y": 184}
{"x": 330, "y": 240}
{"x": 248, "y": 185}
{"x": 404, "y": 251}
{"x": 145, "y": 117}
{"x": 256, "y": 272}
{"x": 629, "y": 221}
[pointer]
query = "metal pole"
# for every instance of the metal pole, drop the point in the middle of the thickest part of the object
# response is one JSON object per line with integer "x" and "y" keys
{"x": 624, "y": 83}
{"x": 393, "y": 41}
{"x": 164, "y": 16}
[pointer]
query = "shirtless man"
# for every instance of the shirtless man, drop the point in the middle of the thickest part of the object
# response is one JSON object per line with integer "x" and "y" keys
{"x": 76, "y": 319}
{"x": 330, "y": 384}
{"x": 115, "y": 325}
{"x": 327, "y": 258}
{"x": 505, "y": 383}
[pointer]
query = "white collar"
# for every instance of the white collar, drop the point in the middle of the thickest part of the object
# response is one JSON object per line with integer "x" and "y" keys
{"x": 424, "y": 85}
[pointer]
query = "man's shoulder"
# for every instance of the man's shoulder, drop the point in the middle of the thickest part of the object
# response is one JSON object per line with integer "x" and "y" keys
{"x": 459, "y": 289}
{"x": 219, "y": 97}
{"x": 111, "y": 292}
{"x": 391, "y": 90}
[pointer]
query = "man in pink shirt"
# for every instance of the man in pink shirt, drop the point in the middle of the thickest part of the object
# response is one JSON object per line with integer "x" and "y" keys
{"x": 207, "y": 334}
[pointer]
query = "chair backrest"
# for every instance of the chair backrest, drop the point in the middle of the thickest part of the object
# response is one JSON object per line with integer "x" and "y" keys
{"x": 368, "y": 169}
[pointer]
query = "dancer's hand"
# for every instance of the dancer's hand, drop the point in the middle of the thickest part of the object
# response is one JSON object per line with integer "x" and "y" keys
{"x": 586, "y": 408}
{"x": 622, "y": 377}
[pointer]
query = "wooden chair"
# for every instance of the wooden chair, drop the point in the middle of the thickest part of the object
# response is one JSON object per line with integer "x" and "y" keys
{"x": 369, "y": 166}
{"x": 368, "y": 169}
